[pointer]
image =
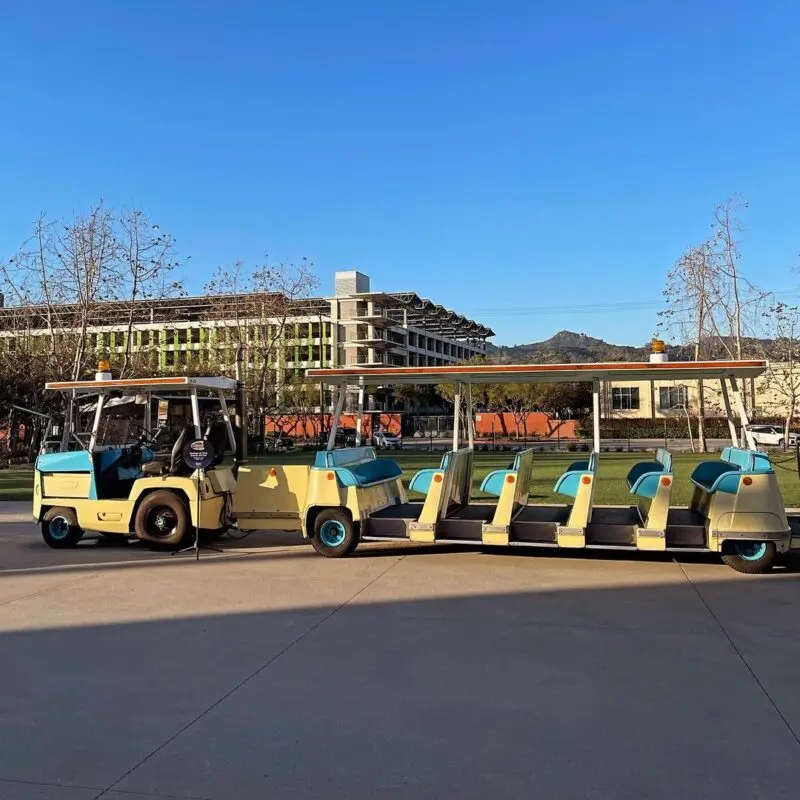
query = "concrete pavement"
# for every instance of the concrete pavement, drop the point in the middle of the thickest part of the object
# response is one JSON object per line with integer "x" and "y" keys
{"x": 269, "y": 672}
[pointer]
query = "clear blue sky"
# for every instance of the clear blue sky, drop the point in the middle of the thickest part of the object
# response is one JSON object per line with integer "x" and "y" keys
{"x": 495, "y": 156}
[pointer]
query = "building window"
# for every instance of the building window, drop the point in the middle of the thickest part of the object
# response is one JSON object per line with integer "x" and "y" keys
{"x": 182, "y": 335}
{"x": 624, "y": 398}
{"x": 169, "y": 358}
{"x": 671, "y": 397}
{"x": 194, "y": 335}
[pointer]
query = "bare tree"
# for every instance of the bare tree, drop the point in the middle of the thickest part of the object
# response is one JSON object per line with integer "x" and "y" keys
{"x": 782, "y": 347}
{"x": 711, "y": 305}
{"x": 734, "y": 301}
{"x": 61, "y": 276}
{"x": 148, "y": 266}
{"x": 251, "y": 308}
{"x": 690, "y": 304}
{"x": 518, "y": 399}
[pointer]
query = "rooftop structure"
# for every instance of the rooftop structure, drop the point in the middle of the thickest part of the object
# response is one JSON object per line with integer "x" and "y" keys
{"x": 354, "y": 327}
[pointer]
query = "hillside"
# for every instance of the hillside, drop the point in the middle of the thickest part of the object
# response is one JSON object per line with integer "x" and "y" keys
{"x": 567, "y": 347}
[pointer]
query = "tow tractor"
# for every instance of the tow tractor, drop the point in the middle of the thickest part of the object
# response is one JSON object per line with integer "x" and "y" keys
{"x": 82, "y": 484}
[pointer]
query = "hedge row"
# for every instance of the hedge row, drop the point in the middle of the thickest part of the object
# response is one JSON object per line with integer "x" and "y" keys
{"x": 670, "y": 428}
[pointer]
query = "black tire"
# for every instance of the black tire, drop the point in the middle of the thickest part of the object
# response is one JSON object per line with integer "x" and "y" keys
{"x": 751, "y": 558}
{"x": 162, "y": 520}
{"x": 335, "y": 535}
{"x": 60, "y": 528}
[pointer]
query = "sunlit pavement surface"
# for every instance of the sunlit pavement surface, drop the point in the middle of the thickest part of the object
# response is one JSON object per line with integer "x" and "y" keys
{"x": 269, "y": 672}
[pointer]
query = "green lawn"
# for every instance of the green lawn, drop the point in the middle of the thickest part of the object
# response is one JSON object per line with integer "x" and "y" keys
{"x": 16, "y": 484}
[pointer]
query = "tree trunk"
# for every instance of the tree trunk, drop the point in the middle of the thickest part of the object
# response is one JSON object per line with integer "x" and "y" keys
{"x": 702, "y": 444}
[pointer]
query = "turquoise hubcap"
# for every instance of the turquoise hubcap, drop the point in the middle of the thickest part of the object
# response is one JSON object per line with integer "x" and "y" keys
{"x": 59, "y": 527}
{"x": 751, "y": 551}
{"x": 332, "y": 533}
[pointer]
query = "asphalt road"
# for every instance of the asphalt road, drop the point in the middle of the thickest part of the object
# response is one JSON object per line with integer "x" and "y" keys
{"x": 269, "y": 672}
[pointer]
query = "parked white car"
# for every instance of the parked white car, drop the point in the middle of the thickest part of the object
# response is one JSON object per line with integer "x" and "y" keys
{"x": 771, "y": 434}
{"x": 384, "y": 440}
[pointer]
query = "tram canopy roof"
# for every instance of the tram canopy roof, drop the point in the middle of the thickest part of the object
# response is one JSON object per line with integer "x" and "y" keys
{"x": 542, "y": 373}
{"x": 145, "y": 385}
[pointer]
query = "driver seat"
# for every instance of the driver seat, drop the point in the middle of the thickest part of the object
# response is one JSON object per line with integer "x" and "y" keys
{"x": 176, "y": 466}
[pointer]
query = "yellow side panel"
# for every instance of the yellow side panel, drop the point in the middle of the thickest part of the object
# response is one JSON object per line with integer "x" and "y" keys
{"x": 363, "y": 500}
{"x": 426, "y": 534}
{"x": 37, "y": 496}
{"x": 495, "y": 537}
{"x": 650, "y": 540}
{"x": 571, "y": 537}
{"x": 271, "y": 490}
{"x": 106, "y": 516}
{"x": 75, "y": 484}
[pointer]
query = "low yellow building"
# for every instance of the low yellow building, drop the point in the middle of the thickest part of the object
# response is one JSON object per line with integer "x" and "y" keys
{"x": 765, "y": 397}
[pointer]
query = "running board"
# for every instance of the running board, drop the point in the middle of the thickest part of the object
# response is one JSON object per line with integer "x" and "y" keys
{"x": 386, "y": 539}
{"x": 551, "y": 545}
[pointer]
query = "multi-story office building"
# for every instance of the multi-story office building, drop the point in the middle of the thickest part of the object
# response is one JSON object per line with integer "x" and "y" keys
{"x": 355, "y": 327}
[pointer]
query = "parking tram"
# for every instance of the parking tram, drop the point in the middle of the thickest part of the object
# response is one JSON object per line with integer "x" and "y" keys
{"x": 736, "y": 508}
{"x": 83, "y": 484}
{"x": 350, "y": 495}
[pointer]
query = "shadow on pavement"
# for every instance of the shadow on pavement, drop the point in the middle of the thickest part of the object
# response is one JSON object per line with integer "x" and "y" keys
{"x": 664, "y": 690}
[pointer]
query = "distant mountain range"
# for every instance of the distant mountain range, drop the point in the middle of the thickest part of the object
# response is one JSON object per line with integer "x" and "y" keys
{"x": 567, "y": 347}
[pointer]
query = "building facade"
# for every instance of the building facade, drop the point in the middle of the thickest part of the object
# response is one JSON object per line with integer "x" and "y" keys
{"x": 354, "y": 327}
{"x": 768, "y": 396}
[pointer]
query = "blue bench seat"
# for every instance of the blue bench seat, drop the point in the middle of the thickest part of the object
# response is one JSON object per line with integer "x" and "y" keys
{"x": 358, "y": 466}
{"x": 421, "y": 482}
{"x": 643, "y": 477}
{"x": 569, "y": 482}
{"x": 723, "y": 475}
{"x": 493, "y": 482}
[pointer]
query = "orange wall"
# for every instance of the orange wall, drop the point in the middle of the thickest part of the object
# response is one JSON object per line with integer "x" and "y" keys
{"x": 537, "y": 423}
{"x": 502, "y": 425}
{"x": 309, "y": 427}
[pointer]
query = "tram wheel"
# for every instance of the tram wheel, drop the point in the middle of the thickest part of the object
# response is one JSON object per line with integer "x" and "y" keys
{"x": 60, "y": 528}
{"x": 335, "y": 535}
{"x": 752, "y": 558}
{"x": 162, "y": 520}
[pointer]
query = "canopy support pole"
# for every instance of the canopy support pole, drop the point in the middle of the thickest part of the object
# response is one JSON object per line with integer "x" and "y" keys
{"x": 747, "y": 436}
{"x": 360, "y": 412}
{"x": 336, "y": 414}
{"x": 68, "y": 417}
{"x": 196, "y": 414}
{"x": 98, "y": 413}
{"x": 456, "y": 414}
{"x": 726, "y": 400}
{"x": 470, "y": 419}
{"x": 596, "y": 414}
{"x": 227, "y": 417}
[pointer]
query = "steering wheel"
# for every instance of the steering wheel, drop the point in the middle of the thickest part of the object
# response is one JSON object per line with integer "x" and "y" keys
{"x": 143, "y": 437}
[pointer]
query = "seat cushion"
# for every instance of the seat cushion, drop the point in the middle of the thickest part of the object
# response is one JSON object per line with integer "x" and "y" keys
{"x": 494, "y": 481}
{"x": 368, "y": 472}
{"x": 707, "y": 473}
{"x": 642, "y": 468}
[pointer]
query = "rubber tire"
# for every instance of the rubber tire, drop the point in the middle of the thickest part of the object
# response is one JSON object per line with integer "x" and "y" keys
{"x": 350, "y": 538}
{"x": 171, "y": 501}
{"x": 759, "y": 567}
{"x": 74, "y": 534}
